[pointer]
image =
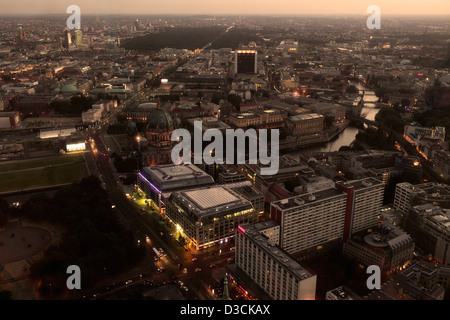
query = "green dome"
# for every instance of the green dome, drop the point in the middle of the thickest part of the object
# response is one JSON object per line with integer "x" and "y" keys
{"x": 177, "y": 121}
{"x": 69, "y": 88}
{"x": 132, "y": 129}
{"x": 159, "y": 119}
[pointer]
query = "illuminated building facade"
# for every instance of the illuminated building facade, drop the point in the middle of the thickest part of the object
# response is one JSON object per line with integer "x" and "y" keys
{"x": 280, "y": 276}
{"x": 210, "y": 215}
{"x": 158, "y": 182}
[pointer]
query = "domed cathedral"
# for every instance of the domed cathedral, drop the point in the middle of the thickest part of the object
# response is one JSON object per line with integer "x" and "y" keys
{"x": 132, "y": 132}
{"x": 158, "y": 132}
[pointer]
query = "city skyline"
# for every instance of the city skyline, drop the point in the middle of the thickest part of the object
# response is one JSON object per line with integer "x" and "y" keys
{"x": 135, "y": 141}
{"x": 233, "y": 7}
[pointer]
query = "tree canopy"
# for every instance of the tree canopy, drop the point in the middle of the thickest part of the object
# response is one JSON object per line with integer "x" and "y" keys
{"x": 93, "y": 237}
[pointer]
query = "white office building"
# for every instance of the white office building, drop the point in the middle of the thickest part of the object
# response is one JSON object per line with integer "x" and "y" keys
{"x": 310, "y": 221}
{"x": 275, "y": 272}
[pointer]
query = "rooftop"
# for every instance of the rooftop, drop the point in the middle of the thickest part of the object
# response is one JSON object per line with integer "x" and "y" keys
{"x": 301, "y": 200}
{"x": 211, "y": 200}
{"x": 211, "y": 197}
{"x": 283, "y": 258}
{"x": 172, "y": 176}
{"x": 305, "y": 116}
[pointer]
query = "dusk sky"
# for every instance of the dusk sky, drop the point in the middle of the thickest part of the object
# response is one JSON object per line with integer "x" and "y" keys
{"x": 294, "y": 7}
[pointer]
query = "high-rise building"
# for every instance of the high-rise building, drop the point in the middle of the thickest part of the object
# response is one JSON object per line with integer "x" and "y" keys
{"x": 404, "y": 193}
{"x": 310, "y": 221}
{"x": 246, "y": 61}
{"x": 21, "y": 33}
{"x": 78, "y": 37}
{"x": 364, "y": 204}
{"x": 67, "y": 39}
{"x": 270, "y": 267}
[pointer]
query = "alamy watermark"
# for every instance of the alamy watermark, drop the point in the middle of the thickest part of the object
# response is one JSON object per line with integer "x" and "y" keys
{"x": 258, "y": 147}
{"x": 374, "y": 280}
{"x": 374, "y": 20}
{"x": 74, "y": 20}
{"x": 74, "y": 281}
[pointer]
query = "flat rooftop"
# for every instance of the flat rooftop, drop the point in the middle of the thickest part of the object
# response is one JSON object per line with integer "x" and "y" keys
{"x": 362, "y": 183}
{"x": 211, "y": 200}
{"x": 211, "y": 197}
{"x": 275, "y": 252}
{"x": 305, "y": 116}
{"x": 301, "y": 200}
{"x": 172, "y": 176}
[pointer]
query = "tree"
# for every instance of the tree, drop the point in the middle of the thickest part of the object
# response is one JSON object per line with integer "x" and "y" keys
{"x": 121, "y": 118}
{"x": 390, "y": 118}
{"x": 235, "y": 100}
{"x": 5, "y": 295}
{"x": 405, "y": 103}
{"x": 352, "y": 90}
{"x": 4, "y": 209}
{"x": 382, "y": 94}
{"x": 216, "y": 98}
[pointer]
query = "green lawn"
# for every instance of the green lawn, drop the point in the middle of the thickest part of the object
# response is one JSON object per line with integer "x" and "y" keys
{"x": 28, "y": 164}
{"x": 43, "y": 177}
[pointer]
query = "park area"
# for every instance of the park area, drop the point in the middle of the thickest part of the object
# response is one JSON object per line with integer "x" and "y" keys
{"x": 37, "y": 173}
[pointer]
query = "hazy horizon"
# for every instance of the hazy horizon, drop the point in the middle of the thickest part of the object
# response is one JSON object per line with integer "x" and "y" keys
{"x": 228, "y": 8}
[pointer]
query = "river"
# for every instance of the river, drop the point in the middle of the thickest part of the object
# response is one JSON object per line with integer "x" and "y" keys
{"x": 349, "y": 134}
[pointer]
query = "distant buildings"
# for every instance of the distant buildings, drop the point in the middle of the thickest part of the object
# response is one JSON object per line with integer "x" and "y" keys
{"x": 9, "y": 120}
{"x": 288, "y": 46}
{"x": 257, "y": 118}
{"x": 36, "y": 105}
{"x": 438, "y": 97}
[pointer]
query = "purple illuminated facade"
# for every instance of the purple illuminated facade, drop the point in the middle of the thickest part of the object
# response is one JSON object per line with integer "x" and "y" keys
{"x": 159, "y": 182}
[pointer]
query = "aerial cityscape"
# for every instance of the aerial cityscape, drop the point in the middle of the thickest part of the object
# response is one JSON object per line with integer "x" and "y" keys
{"x": 191, "y": 152}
